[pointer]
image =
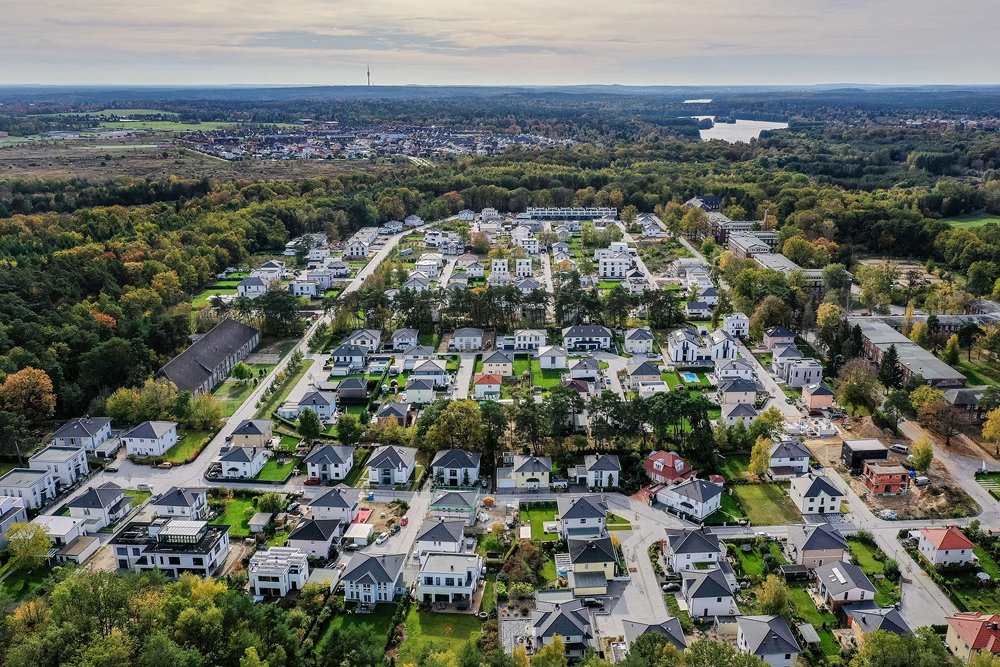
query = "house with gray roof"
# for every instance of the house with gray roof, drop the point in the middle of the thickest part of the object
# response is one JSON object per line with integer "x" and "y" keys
{"x": 586, "y": 337}
{"x": 330, "y": 463}
{"x": 736, "y": 412}
{"x": 459, "y": 505}
{"x": 241, "y": 462}
{"x": 348, "y": 358}
{"x": 697, "y": 498}
{"x": 638, "y": 341}
{"x": 151, "y": 438}
{"x": 455, "y": 467}
{"x": 863, "y": 620}
{"x": 372, "y": 579}
{"x": 788, "y": 459}
{"x": 369, "y": 339}
{"x": 467, "y": 338}
{"x": 439, "y": 535}
{"x": 186, "y": 503}
{"x": 815, "y": 495}
{"x": 585, "y": 516}
{"x": 599, "y": 471}
{"x": 841, "y": 583}
{"x": 315, "y": 537}
{"x": 208, "y": 360}
{"x": 707, "y": 593}
{"x": 323, "y": 403}
{"x": 816, "y": 544}
{"x": 100, "y": 506}
{"x": 669, "y": 628}
{"x": 769, "y": 638}
{"x": 691, "y": 548}
{"x": 524, "y": 472}
{"x": 571, "y": 621}
{"x": 390, "y": 465}
{"x": 352, "y": 389}
{"x": 399, "y": 412}
{"x": 552, "y": 357}
{"x": 341, "y": 503}
{"x": 404, "y": 339}
{"x": 252, "y": 433}
{"x": 585, "y": 369}
{"x": 639, "y": 371}
{"x": 87, "y": 432}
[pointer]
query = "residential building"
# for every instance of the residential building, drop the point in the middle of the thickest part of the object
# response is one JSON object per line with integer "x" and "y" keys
{"x": 101, "y": 506}
{"x": 522, "y": 267}
{"x": 348, "y": 359}
{"x": 585, "y": 369}
{"x": 435, "y": 370}
{"x": 369, "y": 339}
{"x": 696, "y": 498}
{"x": 252, "y": 433}
{"x": 209, "y": 360}
{"x": 733, "y": 413}
{"x": 736, "y": 325}
{"x": 67, "y": 464}
{"x": 592, "y": 565}
{"x": 499, "y": 363}
{"x": 585, "y": 516}
{"x": 349, "y": 389}
{"x": 816, "y": 544}
{"x": 451, "y": 578}
{"x": 152, "y": 438}
{"x": 398, "y": 412}
{"x": 783, "y": 355}
{"x": 306, "y": 288}
{"x": 487, "y": 386}
{"x": 587, "y": 337}
{"x": 460, "y": 505}
{"x": 34, "y": 487}
{"x": 330, "y": 463}
{"x": 815, "y": 495}
{"x": 697, "y": 310}
{"x": 862, "y": 620}
{"x": 529, "y": 340}
{"x": 788, "y": 458}
{"x": 842, "y": 583}
{"x": 571, "y": 621}
{"x": 572, "y": 213}
{"x": 440, "y": 536}
{"x": 524, "y": 472}
{"x": 341, "y": 503}
{"x": 184, "y": 503}
{"x": 599, "y": 471}
{"x": 390, "y": 465}
{"x": 173, "y": 546}
{"x": 638, "y": 341}
{"x": 877, "y": 337}
{"x": 404, "y": 339}
{"x": 945, "y": 546}
{"x": 769, "y": 638}
{"x": 315, "y": 537}
{"x": 241, "y": 462}
{"x": 370, "y": 579}
{"x": 323, "y": 403}
{"x": 691, "y": 549}
{"x": 252, "y": 287}
{"x": 802, "y": 372}
{"x": 552, "y": 357}
{"x": 468, "y": 338}
{"x": 854, "y": 453}
{"x": 707, "y": 203}
{"x": 707, "y": 593}
{"x": 455, "y": 467}
{"x": 614, "y": 266}
{"x": 737, "y": 390}
{"x": 12, "y": 510}
{"x": 419, "y": 391}
{"x": 670, "y": 628}
{"x": 817, "y": 396}
{"x": 886, "y": 479}
{"x": 972, "y": 632}
{"x": 721, "y": 345}
{"x": 638, "y": 371}
{"x": 69, "y": 541}
{"x": 277, "y": 571}
{"x": 684, "y": 347}
{"x": 778, "y": 336}
{"x": 729, "y": 369}
{"x": 666, "y": 468}
{"x": 87, "y": 432}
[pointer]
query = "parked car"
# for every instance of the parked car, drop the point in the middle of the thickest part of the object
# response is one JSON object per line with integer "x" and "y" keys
{"x": 592, "y": 602}
{"x": 395, "y": 529}
{"x": 111, "y": 468}
{"x": 166, "y": 465}
{"x": 382, "y": 538}
{"x": 902, "y": 449}
{"x": 921, "y": 481}
{"x": 404, "y": 521}
{"x": 312, "y": 481}
{"x": 142, "y": 486}
{"x": 670, "y": 588}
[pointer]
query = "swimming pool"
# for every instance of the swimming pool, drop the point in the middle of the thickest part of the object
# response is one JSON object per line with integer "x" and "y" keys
{"x": 689, "y": 377}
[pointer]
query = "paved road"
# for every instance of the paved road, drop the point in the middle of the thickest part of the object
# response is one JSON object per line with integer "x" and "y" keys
{"x": 463, "y": 378}
{"x": 770, "y": 384}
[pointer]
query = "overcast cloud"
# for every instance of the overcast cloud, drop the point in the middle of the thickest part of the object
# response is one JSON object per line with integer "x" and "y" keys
{"x": 638, "y": 42}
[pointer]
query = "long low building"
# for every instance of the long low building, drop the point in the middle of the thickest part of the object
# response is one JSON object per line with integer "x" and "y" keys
{"x": 208, "y": 360}
{"x": 877, "y": 337}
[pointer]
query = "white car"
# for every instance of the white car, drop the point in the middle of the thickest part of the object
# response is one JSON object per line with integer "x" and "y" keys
{"x": 382, "y": 538}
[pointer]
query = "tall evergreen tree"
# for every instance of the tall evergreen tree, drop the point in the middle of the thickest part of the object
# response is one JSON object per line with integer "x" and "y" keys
{"x": 890, "y": 373}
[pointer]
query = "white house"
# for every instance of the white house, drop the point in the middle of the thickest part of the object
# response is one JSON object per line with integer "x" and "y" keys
{"x": 304, "y": 288}
{"x": 691, "y": 549}
{"x": 435, "y": 370}
{"x": 945, "y": 546}
{"x": 185, "y": 503}
{"x": 769, "y": 638}
{"x": 315, "y": 537}
{"x": 734, "y": 413}
{"x": 552, "y": 357}
{"x": 419, "y": 391}
{"x": 614, "y": 267}
{"x": 697, "y": 498}
{"x": 529, "y": 340}
{"x": 728, "y": 369}
{"x": 685, "y": 347}
{"x": 370, "y": 339}
{"x": 341, "y": 503}
{"x": 251, "y": 287}
{"x": 815, "y": 495}
{"x": 840, "y": 583}
{"x": 330, "y": 463}
{"x": 707, "y": 593}
{"x": 466, "y": 215}
{"x": 777, "y": 336}
{"x": 404, "y": 339}
{"x": 571, "y": 620}
{"x": 468, "y": 338}
{"x": 323, "y": 403}
{"x": 348, "y": 359}
{"x": 87, "y": 432}
{"x": 372, "y": 579}
{"x": 697, "y": 310}
{"x": 803, "y": 372}
{"x": 522, "y": 268}
{"x": 12, "y": 510}
{"x": 440, "y": 536}
{"x": 101, "y": 506}
{"x": 788, "y": 458}
{"x": 721, "y": 345}
{"x": 455, "y": 467}
{"x": 449, "y": 577}
{"x": 391, "y": 465}
{"x": 69, "y": 541}
{"x": 277, "y": 571}
{"x": 487, "y": 386}
{"x": 173, "y": 546}
{"x": 638, "y": 341}
{"x": 709, "y": 295}
{"x": 586, "y": 337}
{"x": 152, "y": 438}
{"x": 67, "y": 464}
{"x": 585, "y": 516}
{"x": 35, "y": 487}
{"x": 599, "y": 471}
{"x": 241, "y": 462}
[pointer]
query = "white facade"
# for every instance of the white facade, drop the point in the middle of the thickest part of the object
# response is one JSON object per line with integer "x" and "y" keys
{"x": 953, "y": 552}
{"x": 12, "y": 510}
{"x": 67, "y": 464}
{"x": 529, "y": 339}
{"x": 552, "y": 358}
{"x": 277, "y": 570}
{"x": 150, "y": 438}
{"x": 241, "y": 462}
{"x": 736, "y": 325}
{"x": 615, "y": 266}
{"x": 89, "y": 433}
{"x": 34, "y": 487}
{"x": 449, "y": 578}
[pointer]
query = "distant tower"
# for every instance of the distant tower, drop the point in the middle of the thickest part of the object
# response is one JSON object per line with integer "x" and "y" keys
{"x": 369, "y": 74}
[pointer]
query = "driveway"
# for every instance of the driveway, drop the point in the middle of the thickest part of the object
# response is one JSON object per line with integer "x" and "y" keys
{"x": 463, "y": 378}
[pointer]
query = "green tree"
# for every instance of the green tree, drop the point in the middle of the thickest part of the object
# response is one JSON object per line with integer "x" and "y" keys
{"x": 952, "y": 351}
{"x": 251, "y": 659}
{"x": 890, "y": 372}
{"x": 760, "y": 458}
{"x": 773, "y": 595}
{"x": 242, "y": 371}
{"x": 205, "y": 412}
{"x": 707, "y": 653}
{"x": 13, "y": 433}
{"x": 552, "y": 654}
{"x": 349, "y": 428}
{"x": 28, "y": 546}
{"x": 924, "y": 395}
{"x": 310, "y": 427}
{"x": 460, "y": 425}
{"x": 923, "y": 454}
{"x": 858, "y": 384}
{"x": 888, "y": 649}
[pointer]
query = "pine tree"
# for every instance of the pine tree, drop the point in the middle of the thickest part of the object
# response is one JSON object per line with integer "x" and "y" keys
{"x": 890, "y": 373}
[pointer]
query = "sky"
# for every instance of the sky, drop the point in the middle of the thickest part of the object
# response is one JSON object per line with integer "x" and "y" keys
{"x": 515, "y": 42}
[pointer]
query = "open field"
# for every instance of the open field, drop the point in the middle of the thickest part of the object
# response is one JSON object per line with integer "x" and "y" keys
{"x": 186, "y": 447}
{"x": 537, "y": 517}
{"x": 380, "y": 619}
{"x": 443, "y": 632}
{"x": 973, "y": 220}
{"x": 767, "y": 505}
{"x": 237, "y": 516}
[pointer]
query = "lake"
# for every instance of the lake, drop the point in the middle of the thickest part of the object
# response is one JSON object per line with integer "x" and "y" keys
{"x": 740, "y": 131}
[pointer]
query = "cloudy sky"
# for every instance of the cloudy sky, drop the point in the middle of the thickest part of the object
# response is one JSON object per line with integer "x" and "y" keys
{"x": 651, "y": 42}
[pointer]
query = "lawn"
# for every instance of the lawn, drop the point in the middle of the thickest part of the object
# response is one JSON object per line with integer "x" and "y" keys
{"x": 278, "y": 397}
{"x": 22, "y": 584}
{"x": 138, "y": 497}
{"x": 237, "y": 515}
{"x": 380, "y": 619}
{"x": 972, "y": 220}
{"x": 522, "y": 364}
{"x": 549, "y": 570}
{"x": 167, "y": 125}
{"x": 537, "y": 517}
{"x": 186, "y": 447}
{"x": 735, "y": 466}
{"x": 616, "y": 522}
{"x": 232, "y": 393}
{"x": 276, "y": 472}
{"x": 609, "y": 284}
{"x": 767, "y": 505}
{"x": 886, "y": 592}
{"x": 489, "y": 594}
{"x": 752, "y": 562}
{"x": 546, "y": 378}
{"x": 978, "y": 371}
{"x": 804, "y": 608}
{"x": 729, "y": 512}
{"x": 671, "y": 378}
{"x": 204, "y": 298}
{"x": 443, "y": 632}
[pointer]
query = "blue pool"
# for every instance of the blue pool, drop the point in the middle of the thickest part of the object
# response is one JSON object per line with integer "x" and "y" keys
{"x": 689, "y": 377}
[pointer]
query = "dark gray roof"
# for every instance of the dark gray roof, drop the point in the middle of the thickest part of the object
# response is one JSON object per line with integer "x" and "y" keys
{"x": 393, "y": 409}
{"x": 821, "y": 389}
{"x": 468, "y": 332}
{"x": 789, "y": 449}
{"x": 174, "y": 497}
{"x": 604, "y": 462}
{"x": 85, "y": 427}
{"x": 382, "y": 569}
{"x": 599, "y": 550}
{"x": 566, "y": 620}
{"x": 643, "y": 369}
{"x": 698, "y": 490}
{"x": 320, "y": 530}
{"x": 331, "y": 454}
{"x": 498, "y": 357}
{"x": 587, "y": 364}
{"x": 692, "y": 541}
{"x": 442, "y": 531}
{"x": 419, "y": 383}
{"x": 670, "y": 628}
{"x": 779, "y": 332}
{"x": 697, "y": 305}
{"x": 150, "y": 430}
{"x": 812, "y": 487}
{"x": 815, "y": 537}
{"x": 101, "y": 497}
{"x": 707, "y": 583}
{"x": 453, "y": 499}
{"x": 238, "y": 454}
{"x": 352, "y": 383}
{"x": 191, "y": 368}
{"x": 639, "y": 334}
{"x": 887, "y": 619}
{"x": 532, "y": 464}
{"x": 338, "y": 496}
{"x": 348, "y": 350}
{"x": 839, "y": 577}
{"x": 767, "y": 635}
{"x": 456, "y": 458}
{"x": 317, "y": 398}
{"x": 585, "y": 507}
{"x": 253, "y": 427}
{"x": 586, "y": 331}
{"x": 737, "y": 385}
{"x": 391, "y": 456}
{"x": 405, "y": 333}
{"x": 740, "y": 410}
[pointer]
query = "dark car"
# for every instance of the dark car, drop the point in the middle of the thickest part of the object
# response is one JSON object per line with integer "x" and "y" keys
{"x": 592, "y": 602}
{"x": 312, "y": 481}
{"x": 395, "y": 529}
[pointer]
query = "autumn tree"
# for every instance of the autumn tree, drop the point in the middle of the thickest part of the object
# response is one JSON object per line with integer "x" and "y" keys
{"x": 28, "y": 393}
{"x": 773, "y": 595}
{"x": 923, "y": 453}
{"x": 858, "y": 384}
{"x": 924, "y": 395}
{"x": 952, "y": 351}
{"x": 459, "y": 426}
{"x": 28, "y": 546}
{"x": 552, "y": 654}
{"x": 760, "y": 458}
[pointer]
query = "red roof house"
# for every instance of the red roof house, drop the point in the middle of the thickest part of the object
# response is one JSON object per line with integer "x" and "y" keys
{"x": 666, "y": 468}
{"x": 972, "y": 632}
{"x": 945, "y": 546}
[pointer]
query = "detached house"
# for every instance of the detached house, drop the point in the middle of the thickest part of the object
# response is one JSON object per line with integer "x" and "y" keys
{"x": 498, "y": 363}
{"x": 769, "y": 638}
{"x": 737, "y": 390}
{"x": 817, "y": 396}
{"x": 468, "y": 338}
{"x": 666, "y": 468}
{"x": 88, "y": 432}
{"x": 524, "y": 472}
{"x": 587, "y": 337}
{"x": 241, "y": 462}
{"x": 404, "y": 339}
{"x": 330, "y": 462}
{"x": 419, "y": 391}
{"x": 696, "y": 498}
{"x": 572, "y": 621}
{"x": 778, "y": 336}
{"x": 788, "y": 459}
{"x": 970, "y": 633}
{"x": 842, "y": 583}
{"x": 101, "y": 506}
{"x": 638, "y": 341}
{"x": 455, "y": 467}
{"x": 487, "y": 386}
{"x": 670, "y": 628}
{"x": 34, "y": 487}
{"x": 277, "y": 571}
{"x": 152, "y": 438}
{"x": 186, "y": 503}
{"x": 315, "y": 537}
{"x": 369, "y": 339}
{"x": 323, "y": 403}
{"x": 592, "y": 565}
{"x": 371, "y": 579}
{"x": 815, "y": 495}
{"x": 252, "y": 433}
{"x": 529, "y": 340}
{"x": 599, "y": 471}
{"x": 707, "y": 593}
{"x": 449, "y": 577}
{"x": 945, "y": 546}
{"x": 736, "y": 325}
{"x": 551, "y": 357}
{"x": 341, "y": 503}
{"x": 815, "y": 545}
{"x": 440, "y": 536}
{"x": 582, "y": 517}
{"x": 390, "y": 465}
{"x": 691, "y": 549}
{"x": 67, "y": 464}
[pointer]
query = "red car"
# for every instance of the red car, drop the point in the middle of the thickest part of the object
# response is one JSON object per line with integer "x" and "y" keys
{"x": 312, "y": 481}
{"x": 405, "y": 521}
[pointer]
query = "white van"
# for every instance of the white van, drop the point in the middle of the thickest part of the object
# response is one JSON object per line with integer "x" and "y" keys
{"x": 144, "y": 487}
{"x": 921, "y": 481}
{"x": 902, "y": 449}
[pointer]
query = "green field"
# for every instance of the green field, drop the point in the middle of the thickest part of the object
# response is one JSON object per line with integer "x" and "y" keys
{"x": 752, "y": 563}
{"x": 735, "y": 466}
{"x": 978, "y": 371}
{"x": 973, "y": 220}
{"x": 185, "y": 448}
{"x": 105, "y": 113}
{"x": 537, "y": 517}
{"x": 237, "y": 515}
{"x": 166, "y": 125}
{"x": 767, "y": 505}
{"x": 547, "y": 378}
{"x": 204, "y": 298}
{"x": 886, "y": 592}
{"x": 276, "y": 472}
{"x": 380, "y": 619}
{"x": 440, "y": 632}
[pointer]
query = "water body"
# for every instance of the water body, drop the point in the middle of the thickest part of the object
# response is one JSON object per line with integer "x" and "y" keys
{"x": 740, "y": 131}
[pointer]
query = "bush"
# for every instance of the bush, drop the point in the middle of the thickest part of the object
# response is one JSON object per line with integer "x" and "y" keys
{"x": 500, "y": 590}
{"x": 891, "y": 569}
